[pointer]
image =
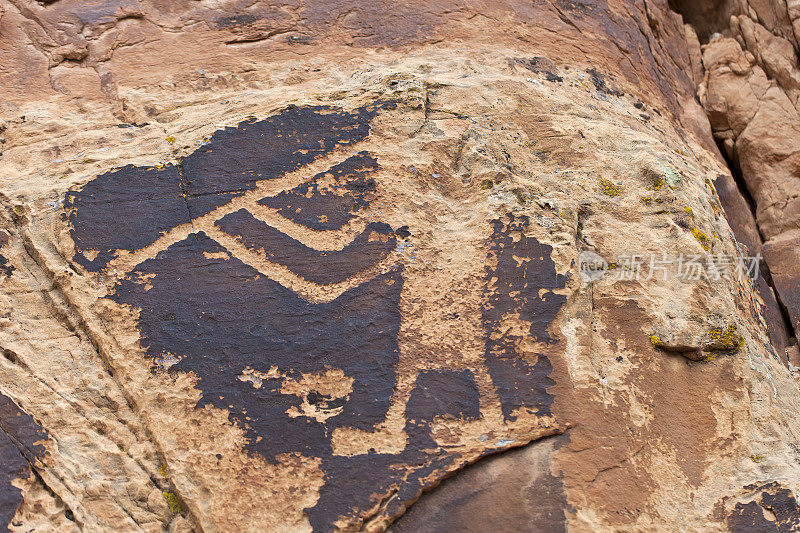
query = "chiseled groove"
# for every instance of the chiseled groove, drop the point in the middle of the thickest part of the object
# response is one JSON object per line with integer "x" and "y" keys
{"x": 322, "y": 241}
{"x": 127, "y": 261}
{"x": 121, "y": 265}
{"x": 308, "y": 290}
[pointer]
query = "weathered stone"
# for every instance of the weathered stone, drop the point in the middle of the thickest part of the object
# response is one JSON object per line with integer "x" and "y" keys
{"x": 297, "y": 267}
{"x": 751, "y": 92}
{"x": 783, "y": 256}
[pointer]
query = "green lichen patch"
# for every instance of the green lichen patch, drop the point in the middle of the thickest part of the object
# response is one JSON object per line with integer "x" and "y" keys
{"x": 671, "y": 177}
{"x": 520, "y": 194}
{"x": 658, "y": 178}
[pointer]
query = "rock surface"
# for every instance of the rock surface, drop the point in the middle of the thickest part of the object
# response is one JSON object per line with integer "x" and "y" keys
{"x": 751, "y": 90}
{"x": 320, "y": 266}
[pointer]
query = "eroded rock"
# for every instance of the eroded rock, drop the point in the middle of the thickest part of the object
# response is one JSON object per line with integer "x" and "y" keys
{"x": 293, "y": 268}
{"x": 751, "y": 93}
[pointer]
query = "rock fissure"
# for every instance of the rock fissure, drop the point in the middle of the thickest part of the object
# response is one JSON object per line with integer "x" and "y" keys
{"x": 741, "y": 184}
{"x": 737, "y": 54}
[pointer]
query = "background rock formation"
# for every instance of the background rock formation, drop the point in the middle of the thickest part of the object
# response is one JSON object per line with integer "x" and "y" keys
{"x": 298, "y": 266}
{"x": 750, "y": 87}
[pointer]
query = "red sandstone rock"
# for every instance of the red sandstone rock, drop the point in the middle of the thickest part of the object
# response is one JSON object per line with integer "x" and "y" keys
{"x": 297, "y": 267}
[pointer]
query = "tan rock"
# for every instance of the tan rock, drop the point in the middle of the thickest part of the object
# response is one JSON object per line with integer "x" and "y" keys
{"x": 783, "y": 256}
{"x": 695, "y": 54}
{"x": 754, "y": 113}
{"x": 770, "y": 162}
{"x": 288, "y": 269}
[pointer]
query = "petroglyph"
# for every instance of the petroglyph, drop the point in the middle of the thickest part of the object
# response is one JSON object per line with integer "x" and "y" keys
{"x": 257, "y": 265}
{"x": 20, "y": 445}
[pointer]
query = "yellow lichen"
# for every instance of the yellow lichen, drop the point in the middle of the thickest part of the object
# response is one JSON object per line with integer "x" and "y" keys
{"x": 728, "y": 339}
{"x": 173, "y": 502}
{"x": 171, "y": 139}
{"x": 702, "y": 239}
{"x": 609, "y": 188}
{"x": 690, "y": 212}
{"x": 656, "y": 341}
{"x": 656, "y": 179}
{"x": 647, "y": 200}
{"x": 106, "y": 365}
{"x": 162, "y": 469}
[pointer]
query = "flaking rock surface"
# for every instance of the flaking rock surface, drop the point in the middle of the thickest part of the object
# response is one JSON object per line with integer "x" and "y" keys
{"x": 321, "y": 266}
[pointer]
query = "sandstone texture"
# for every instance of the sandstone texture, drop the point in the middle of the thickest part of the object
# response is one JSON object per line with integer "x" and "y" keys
{"x": 749, "y": 83}
{"x": 320, "y": 266}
